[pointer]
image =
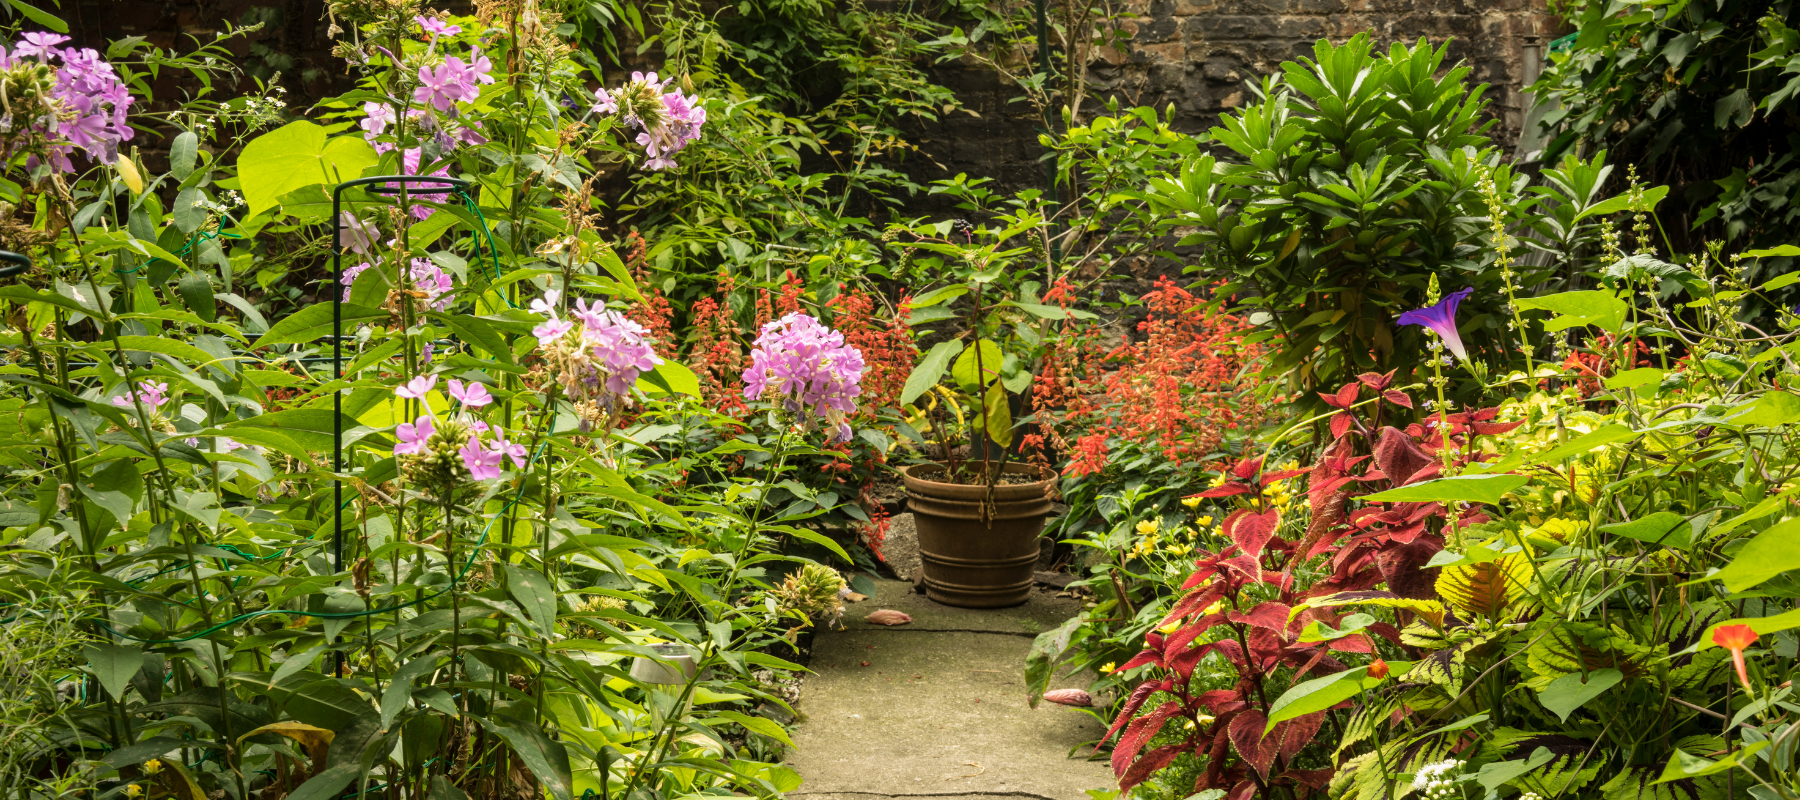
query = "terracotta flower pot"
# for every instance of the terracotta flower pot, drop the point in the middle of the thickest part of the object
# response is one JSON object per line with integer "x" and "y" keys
{"x": 969, "y": 563}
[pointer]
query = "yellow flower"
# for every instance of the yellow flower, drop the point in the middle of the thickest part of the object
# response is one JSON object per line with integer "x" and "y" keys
{"x": 1169, "y": 628}
{"x": 1214, "y": 608}
{"x": 1148, "y": 527}
{"x": 1218, "y": 480}
{"x": 1205, "y": 520}
{"x": 1192, "y": 502}
{"x": 152, "y": 767}
{"x": 1107, "y": 668}
{"x": 134, "y": 790}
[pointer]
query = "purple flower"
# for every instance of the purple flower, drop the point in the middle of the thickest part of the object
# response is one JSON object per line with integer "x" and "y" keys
{"x": 618, "y": 345}
{"x": 413, "y": 435}
{"x": 425, "y": 354}
{"x": 437, "y": 27}
{"x": 482, "y": 463}
{"x": 1442, "y": 319}
{"x": 474, "y": 395}
{"x": 376, "y": 119}
{"x": 417, "y": 388}
{"x": 551, "y": 331}
{"x": 348, "y": 279}
{"x": 431, "y": 279}
{"x": 410, "y": 160}
{"x": 808, "y": 367}
{"x": 39, "y": 45}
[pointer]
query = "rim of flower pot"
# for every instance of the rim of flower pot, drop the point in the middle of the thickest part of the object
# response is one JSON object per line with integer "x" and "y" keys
{"x": 916, "y": 483}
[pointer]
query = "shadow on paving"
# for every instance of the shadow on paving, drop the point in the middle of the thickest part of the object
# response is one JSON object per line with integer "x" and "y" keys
{"x": 938, "y": 708}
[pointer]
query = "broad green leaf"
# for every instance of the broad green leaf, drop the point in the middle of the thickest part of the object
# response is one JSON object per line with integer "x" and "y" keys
{"x": 1769, "y": 554}
{"x": 184, "y": 155}
{"x": 1666, "y": 528}
{"x": 472, "y": 330}
{"x": 313, "y": 322}
{"x": 39, "y": 16}
{"x": 1614, "y": 205}
{"x": 1466, "y": 488}
{"x": 1492, "y": 776}
{"x": 965, "y": 371}
{"x": 534, "y": 593}
{"x": 1568, "y": 693}
{"x": 938, "y": 295}
{"x": 1595, "y": 307}
{"x": 1683, "y": 765}
{"x": 1778, "y": 250}
{"x": 930, "y": 369}
{"x": 114, "y": 664}
{"x": 168, "y": 347}
{"x": 670, "y": 377}
{"x": 310, "y": 428}
{"x": 1319, "y": 694}
{"x": 1633, "y": 378}
{"x": 197, "y": 294}
{"x": 548, "y": 760}
{"x": 1046, "y": 650}
{"x": 295, "y": 156}
{"x": 996, "y": 416}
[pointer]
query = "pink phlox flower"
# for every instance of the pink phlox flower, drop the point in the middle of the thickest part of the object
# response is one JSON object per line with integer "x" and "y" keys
{"x": 478, "y": 426}
{"x": 618, "y": 344}
{"x": 551, "y": 330}
{"x": 411, "y": 160}
{"x": 348, "y": 278}
{"x": 593, "y": 315}
{"x": 546, "y": 305}
{"x": 482, "y": 463}
{"x": 413, "y": 435}
{"x": 604, "y": 103}
{"x": 639, "y": 77}
{"x": 480, "y": 66}
{"x": 437, "y": 27}
{"x": 440, "y": 86}
{"x": 471, "y": 135}
{"x": 376, "y": 119}
{"x": 431, "y": 279}
{"x": 417, "y": 388}
{"x": 358, "y": 236}
{"x": 39, "y": 45}
{"x": 153, "y": 393}
{"x": 514, "y": 450}
{"x": 472, "y": 394}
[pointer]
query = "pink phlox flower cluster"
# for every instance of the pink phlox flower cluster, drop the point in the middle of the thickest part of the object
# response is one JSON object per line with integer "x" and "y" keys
{"x": 153, "y": 393}
{"x": 601, "y": 362}
{"x": 685, "y": 117}
{"x": 427, "y": 277}
{"x": 446, "y": 84}
{"x": 92, "y": 102}
{"x": 664, "y": 131}
{"x": 483, "y": 463}
{"x": 808, "y": 367}
{"x": 414, "y": 435}
{"x": 410, "y": 161}
{"x": 472, "y": 394}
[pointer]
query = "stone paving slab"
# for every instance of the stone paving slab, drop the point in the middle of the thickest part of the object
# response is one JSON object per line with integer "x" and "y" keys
{"x": 938, "y": 711}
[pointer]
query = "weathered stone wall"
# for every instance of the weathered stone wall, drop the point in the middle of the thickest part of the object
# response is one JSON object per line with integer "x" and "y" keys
{"x": 1197, "y": 54}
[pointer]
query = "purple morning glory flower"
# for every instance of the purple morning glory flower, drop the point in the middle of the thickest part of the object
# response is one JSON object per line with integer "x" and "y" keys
{"x": 1442, "y": 319}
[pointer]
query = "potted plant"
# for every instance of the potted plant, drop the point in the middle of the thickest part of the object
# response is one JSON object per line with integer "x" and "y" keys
{"x": 980, "y": 514}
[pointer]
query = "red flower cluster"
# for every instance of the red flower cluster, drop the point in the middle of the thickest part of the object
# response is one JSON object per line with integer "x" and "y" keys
{"x": 1187, "y": 382}
{"x": 1595, "y": 366}
{"x": 887, "y": 347}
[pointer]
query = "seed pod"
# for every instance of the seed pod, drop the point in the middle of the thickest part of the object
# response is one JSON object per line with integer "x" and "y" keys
{"x": 1070, "y": 697}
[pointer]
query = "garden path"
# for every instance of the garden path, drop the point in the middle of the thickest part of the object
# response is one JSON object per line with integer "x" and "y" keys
{"x": 936, "y": 708}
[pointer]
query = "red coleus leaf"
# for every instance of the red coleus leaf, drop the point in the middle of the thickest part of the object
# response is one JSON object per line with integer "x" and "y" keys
{"x": 1269, "y": 615}
{"x": 1404, "y": 568}
{"x": 1398, "y": 398}
{"x": 1139, "y": 733}
{"x": 1149, "y": 655}
{"x": 1194, "y": 601}
{"x": 1227, "y": 490}
{"x": 1375, "y": 381}
{"x": 1297, "y": 733}
{"x": 1494, "y": 428}
{"x": 1152, "y": 761}
{"x": 1398, "y": 456}
{"x": 1247, "y": 739}
{"x": 1251, "y": 530}
{"x": 1244, "y": 790}
{"x": 1245, "y": 469}
{"x": 1340, "y": 424}
{"x": 1219, "y": 701}
{"x": 1132, "y": 704}
{"x": 1271, "y": 477}
{"x": 1316, "y": 778}
{"x": 1344, "y": 398}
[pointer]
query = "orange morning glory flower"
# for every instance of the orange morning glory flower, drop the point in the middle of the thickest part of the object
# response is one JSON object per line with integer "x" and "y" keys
{"x": 1735, "y": 638}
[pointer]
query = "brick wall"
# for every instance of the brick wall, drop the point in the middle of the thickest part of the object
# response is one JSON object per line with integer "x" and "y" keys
{"x": 1197, "y": 54}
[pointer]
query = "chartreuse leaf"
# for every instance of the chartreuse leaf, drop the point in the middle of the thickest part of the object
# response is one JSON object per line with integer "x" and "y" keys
{"x": 1492, "y": 589}
{"x": 970, "y": 377}
{"x": 930, "y": 369}
{"x": 1570, "y": 692}
{"x": 670, "y": 377}
{"x": 315, "y": 321}
{"x": 1666, "y": 528}
{"x": 1595, "y": 307}
{"x": 997, "y": 416}
{"x": 1762, "y": 625}
{"x": 1463, "y": 488}
{"x": 295, "y": 156}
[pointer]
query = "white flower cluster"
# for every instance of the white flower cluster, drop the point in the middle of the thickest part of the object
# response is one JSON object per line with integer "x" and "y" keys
{"x": 1437, "y": 781}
